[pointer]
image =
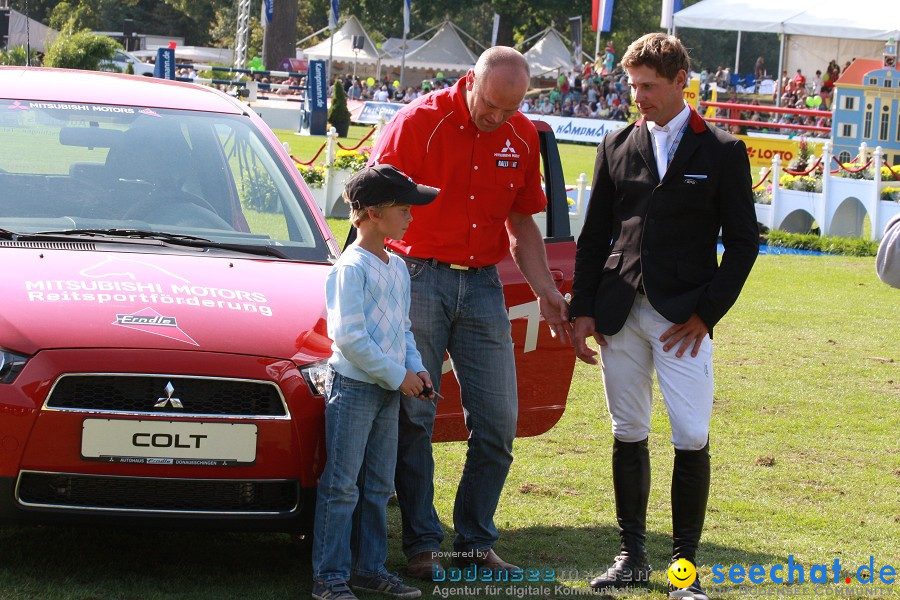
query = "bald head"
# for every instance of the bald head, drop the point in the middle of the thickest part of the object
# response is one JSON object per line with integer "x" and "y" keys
{"x": 502, "y": 59}
{"x": 496, "y": 86}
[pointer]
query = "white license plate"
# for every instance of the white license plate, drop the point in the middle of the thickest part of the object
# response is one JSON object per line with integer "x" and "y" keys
{"x": 168, "y": 442}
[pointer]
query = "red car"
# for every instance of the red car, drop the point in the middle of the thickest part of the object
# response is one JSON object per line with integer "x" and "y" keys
{"x": 162, "y": 332}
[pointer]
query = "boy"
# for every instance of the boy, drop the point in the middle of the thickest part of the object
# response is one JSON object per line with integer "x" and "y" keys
{"x": 374, "y": 362}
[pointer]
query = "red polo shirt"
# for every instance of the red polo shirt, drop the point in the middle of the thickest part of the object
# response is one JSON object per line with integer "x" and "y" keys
{"x": 482, "y": 176}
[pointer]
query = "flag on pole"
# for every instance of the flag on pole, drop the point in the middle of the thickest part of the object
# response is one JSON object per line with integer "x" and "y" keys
{"x": 595, "y": 14}
{"x": 407, "y": 6}
{"x": 333, "y": 15}
{"x": 575, "y": 31}
{"x": 265, "y": 17}
{"x": 669, "y": 8}
{"x": 604, "y": 19}
{"x": 495, "y": 30}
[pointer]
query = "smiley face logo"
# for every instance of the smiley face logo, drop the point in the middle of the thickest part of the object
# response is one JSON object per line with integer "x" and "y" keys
{"x": 682, "y": 573}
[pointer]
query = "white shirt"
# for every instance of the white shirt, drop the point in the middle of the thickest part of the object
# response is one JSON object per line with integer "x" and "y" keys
{"x": 664, "y": 137}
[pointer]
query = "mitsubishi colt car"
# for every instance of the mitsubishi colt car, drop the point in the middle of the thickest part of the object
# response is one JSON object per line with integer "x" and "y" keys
{"x": 162, "y": 314}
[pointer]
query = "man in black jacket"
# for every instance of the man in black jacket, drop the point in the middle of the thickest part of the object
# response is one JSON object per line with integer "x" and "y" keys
{"x": 649, "y": 289}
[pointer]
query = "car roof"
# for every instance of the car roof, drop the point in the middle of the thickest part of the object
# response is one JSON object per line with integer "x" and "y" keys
{"x": 96, "y": 87}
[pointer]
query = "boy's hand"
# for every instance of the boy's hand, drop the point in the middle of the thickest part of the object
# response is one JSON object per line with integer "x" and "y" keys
{"x": 412, "y": 384}
{"x": 427, "y": 387}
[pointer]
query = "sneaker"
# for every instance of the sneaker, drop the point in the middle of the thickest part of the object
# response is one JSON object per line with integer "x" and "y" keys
{"x": 334, "y": 589}
{"x": 384, "y": 583}
{"x": 691, "y": 592}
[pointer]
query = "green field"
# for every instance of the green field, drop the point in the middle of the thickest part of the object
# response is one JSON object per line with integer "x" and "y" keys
{"x": 806, "y": 463}
{"x": 576, "y": 158}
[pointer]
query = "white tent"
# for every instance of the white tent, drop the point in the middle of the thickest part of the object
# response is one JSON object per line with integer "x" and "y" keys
{"x": 394, "y": 46}
{"x": 21, "y": 28}
{"x": 814, "y": 31}
{"x": 445, "y": 51}
{"x": 860, "y": 20}
{"x": 549, "y": 56}
{"x": 342, "y": 51}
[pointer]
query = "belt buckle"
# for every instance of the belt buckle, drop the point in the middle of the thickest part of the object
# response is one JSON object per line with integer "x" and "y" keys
{"x": 459, "y": 267}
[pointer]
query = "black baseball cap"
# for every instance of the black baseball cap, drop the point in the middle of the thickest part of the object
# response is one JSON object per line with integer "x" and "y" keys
{"x": 380, "y": 184}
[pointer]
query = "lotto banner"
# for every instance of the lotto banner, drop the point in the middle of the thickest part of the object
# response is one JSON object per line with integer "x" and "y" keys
{"x": 692, "y": 93}
{"x": 761, "y": 150}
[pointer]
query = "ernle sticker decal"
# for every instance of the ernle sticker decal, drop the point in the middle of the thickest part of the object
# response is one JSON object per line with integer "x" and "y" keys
{"x": 150, "y": 321}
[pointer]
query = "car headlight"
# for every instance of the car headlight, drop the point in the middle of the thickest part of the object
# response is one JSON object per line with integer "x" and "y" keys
{"x": 10, "y": 365}
{"x": 315, "y": 375}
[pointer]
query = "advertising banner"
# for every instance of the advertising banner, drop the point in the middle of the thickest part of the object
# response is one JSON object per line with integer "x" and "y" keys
{"x": 371, "y": 110}
{"x": 572, "y": 129}
{"x": 761, "y": 150}
{"x": 317, "y": 95}
{"x": 165, "y": 63}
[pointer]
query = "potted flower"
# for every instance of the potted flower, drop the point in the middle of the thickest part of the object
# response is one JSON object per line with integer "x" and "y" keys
{"x": 315, "y": 180}
{"x": 338, "y": 114}
{"x": 891, "y": 194}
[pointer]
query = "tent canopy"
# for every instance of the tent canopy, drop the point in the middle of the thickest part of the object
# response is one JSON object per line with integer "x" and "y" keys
{"x": 863, "y": 20}
{"x": 21, "y": 26}
{"x": 549, "y": 56}
{"x": 445, "y": 51}
{"x": 343, "y": 45}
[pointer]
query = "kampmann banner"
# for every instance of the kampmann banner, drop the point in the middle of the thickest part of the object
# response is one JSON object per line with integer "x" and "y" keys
{"x": 574, "y": 129}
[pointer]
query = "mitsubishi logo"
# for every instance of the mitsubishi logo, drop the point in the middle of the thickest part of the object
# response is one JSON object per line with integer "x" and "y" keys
{"x": 162, "y": 402}
{"x": 508, "y": 147}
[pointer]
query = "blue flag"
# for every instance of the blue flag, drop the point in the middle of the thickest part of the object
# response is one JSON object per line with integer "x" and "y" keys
{"x": 407, "y": 5}
{"x": 333, "y": 15}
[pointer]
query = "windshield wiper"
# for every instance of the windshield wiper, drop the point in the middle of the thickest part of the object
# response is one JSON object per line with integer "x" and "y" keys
{"x": 6, "y": 233}
{"x": 126, "y": 233}
{"x": 170, "y": 238}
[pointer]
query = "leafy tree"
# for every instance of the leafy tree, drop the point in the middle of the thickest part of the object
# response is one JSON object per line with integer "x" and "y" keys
{"x": 16, "y": 56}
{"x": 82, "y": 50}
{"x": 338, "y": 114}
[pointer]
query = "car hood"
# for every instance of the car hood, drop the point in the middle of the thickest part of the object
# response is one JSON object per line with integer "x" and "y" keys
{"x": 81, "y": 299}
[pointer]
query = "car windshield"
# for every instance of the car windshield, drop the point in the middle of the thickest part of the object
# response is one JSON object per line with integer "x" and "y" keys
{"x": 69, "y": 167}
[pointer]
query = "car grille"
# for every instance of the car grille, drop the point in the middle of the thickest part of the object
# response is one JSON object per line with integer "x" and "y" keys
{"x": 146, "y": 494}
{"x": 141, "y": 394}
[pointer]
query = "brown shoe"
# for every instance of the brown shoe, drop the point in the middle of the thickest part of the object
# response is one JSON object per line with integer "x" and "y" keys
{"x": 424, "y": 565}
{"x": 486, "y": 560}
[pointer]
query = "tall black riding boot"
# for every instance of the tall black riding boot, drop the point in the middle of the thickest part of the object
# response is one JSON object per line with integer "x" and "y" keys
{"x": 690, "y": 492}
{"x": 631, "y": 482}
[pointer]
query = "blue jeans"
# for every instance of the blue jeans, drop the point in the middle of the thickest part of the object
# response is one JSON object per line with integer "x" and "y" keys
{"x": 463, "y": 313}
{"x": 351, "y": 506}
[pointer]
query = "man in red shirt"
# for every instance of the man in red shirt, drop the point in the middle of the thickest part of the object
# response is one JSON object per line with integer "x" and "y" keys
{"x": 472, "y": 142}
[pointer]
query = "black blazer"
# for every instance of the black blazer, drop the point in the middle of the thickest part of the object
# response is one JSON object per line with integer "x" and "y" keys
{"x": 665, "y": 233}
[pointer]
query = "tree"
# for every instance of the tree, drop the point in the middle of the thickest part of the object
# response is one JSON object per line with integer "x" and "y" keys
{"x": 82, "y": 50}
{"x": 281, "y": 34}
{"x": 338, "y": 114}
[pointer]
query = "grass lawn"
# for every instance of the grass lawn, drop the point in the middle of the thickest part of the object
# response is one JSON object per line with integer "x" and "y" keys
{"x": 576, "y": 158}
{"x": 806, "y": 463}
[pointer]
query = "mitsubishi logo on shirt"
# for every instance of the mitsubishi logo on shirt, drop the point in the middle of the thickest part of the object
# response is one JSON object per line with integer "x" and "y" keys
{"x": 507, "y": 152}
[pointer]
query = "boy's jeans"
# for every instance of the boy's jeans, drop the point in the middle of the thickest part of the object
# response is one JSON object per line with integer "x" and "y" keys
{"x": 361, "y": 446}
{"x": 462, "y": 312}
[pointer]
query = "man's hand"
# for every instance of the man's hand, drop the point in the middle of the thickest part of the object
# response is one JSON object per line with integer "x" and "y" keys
{"x": 412, "y": 384}
{"x": 584, "y": 327}
{"x": 555, "y": 311}
{"x": 688, "y": 333}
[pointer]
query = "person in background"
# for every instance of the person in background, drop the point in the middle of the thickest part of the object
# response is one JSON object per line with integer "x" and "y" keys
{"x": 472, "y": 143}
{"x": 887, "y": 261}
{"x": 649, "y": 289}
